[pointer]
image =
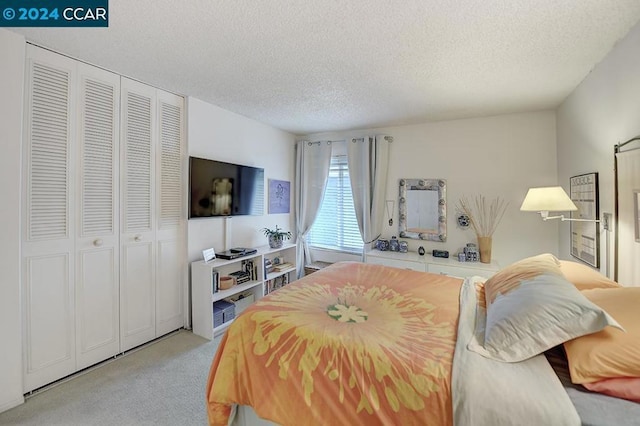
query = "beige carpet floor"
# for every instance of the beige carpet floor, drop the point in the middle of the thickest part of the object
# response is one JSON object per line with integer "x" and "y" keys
{"x": 160, "y": 384}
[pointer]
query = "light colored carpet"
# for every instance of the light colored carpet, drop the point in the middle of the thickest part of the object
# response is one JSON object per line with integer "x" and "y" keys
{"x": 160, "y": 384}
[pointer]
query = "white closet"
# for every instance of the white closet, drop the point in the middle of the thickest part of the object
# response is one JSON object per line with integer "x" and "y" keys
{"x": 96, "y": 226}
{"x": 103, "y": 253}
{"x": 152, "y": 213}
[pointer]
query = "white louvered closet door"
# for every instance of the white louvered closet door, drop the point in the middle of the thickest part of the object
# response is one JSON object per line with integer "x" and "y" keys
{"x": 48, "y": 218}
{"x": 170, "y": 224}
{"x": 137, "y": 238}
{"x": 97, "y": 246}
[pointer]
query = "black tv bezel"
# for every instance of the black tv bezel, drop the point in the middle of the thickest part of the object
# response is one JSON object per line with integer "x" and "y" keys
{"x": 190, "y": 216}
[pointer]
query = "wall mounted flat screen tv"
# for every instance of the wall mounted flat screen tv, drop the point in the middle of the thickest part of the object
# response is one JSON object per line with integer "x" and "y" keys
{"x": 217, "y": 188}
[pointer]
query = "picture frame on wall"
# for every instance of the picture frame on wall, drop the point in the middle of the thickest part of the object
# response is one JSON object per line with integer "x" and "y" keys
{"x": 585, "y": 236}
{"x": 279, "y": 196}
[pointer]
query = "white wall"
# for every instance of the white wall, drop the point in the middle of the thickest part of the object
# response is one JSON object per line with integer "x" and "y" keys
{"x": 491, "y": 156}
{"x": 12, "y": 52}
{"x": 604, "y": 110}
{"x": 219, "y": 134}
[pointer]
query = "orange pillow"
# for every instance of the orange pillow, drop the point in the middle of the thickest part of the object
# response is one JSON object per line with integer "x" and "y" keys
{"x": 611, "y": 352}
{"x": 584, "y": 277}
{"x": 623, "y": 387}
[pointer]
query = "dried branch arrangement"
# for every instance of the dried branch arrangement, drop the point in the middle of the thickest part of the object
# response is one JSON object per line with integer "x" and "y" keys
{"x": 484, "y": 216}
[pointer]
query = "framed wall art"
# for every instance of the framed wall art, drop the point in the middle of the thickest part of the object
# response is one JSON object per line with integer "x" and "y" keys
{"x": 585, "y": 236}
{"x": 279, "y": 196}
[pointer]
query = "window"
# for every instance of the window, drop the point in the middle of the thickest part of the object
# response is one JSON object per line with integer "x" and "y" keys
{"x": 336, "y": 226}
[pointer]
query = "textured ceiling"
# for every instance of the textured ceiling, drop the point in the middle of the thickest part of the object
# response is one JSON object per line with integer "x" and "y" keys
{"x": 312, "y": 66}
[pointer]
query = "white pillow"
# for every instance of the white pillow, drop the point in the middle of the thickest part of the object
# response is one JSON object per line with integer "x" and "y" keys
{"x": 533, "y": 313}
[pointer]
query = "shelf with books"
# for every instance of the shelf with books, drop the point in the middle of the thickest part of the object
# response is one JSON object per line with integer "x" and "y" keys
{"x": 223, "y": 294}
{"x": 275, "y": 274}
{"x": 205, "y": 283}
{"x": 275, "y": 283}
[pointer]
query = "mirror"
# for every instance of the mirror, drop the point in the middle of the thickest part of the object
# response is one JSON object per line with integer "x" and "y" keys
{"x": 423, "y": 209}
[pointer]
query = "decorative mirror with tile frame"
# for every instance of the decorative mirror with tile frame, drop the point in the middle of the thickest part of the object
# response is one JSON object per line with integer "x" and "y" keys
{"x": 423, "y": 209}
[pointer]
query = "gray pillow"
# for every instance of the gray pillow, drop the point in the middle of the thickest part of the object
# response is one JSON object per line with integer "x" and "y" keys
{"x": 536, "y": 314}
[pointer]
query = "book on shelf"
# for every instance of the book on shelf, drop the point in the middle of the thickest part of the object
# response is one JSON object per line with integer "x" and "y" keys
{"x": 282, "y": 267}
{"x": 268, "y": 266}
{"x": 215, "y": 281}
{"x": 241, "y": 276}
{"x": 251, "y": 268}
{"x": 275, "y": 283}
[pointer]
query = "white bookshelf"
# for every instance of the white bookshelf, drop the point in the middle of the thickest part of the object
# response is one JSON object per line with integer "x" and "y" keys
{"x": 202, "y": 285}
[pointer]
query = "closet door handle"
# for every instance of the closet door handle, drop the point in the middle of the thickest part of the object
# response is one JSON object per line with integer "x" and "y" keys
{"x": 97, "y": 242}
{"x": 138, "y": 238}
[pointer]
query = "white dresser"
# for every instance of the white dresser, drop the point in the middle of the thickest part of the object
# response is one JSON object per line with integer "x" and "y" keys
{"x": 428, "y": 263}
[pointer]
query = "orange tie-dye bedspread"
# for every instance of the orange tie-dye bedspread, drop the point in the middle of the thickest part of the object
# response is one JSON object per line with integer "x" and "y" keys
{"x": 352, "y": 344}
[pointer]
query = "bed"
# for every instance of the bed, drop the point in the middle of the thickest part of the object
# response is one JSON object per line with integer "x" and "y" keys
{"x": 367, "y": 344}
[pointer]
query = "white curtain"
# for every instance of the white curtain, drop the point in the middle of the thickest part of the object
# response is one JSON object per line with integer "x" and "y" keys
{"x": 368, "y": 164}
{"x": 628, "y": 225}
{"x": 312, "y": 170}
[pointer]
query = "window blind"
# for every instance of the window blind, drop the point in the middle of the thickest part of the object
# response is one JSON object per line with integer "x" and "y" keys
{"x": 336, "y": 226}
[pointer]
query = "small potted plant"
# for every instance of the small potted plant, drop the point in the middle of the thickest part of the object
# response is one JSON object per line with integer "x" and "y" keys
{"x": 276, "y": 236}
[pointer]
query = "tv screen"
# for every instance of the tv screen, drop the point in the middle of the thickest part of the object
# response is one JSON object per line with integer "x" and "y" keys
{"x": 217, "y": 188}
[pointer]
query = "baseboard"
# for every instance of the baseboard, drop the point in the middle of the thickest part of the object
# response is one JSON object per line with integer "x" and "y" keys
{"x": 90, "y": 368}
{"x": 13, "y": 403}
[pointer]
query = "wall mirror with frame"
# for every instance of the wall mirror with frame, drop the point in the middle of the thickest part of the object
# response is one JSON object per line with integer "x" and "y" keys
{"x": 423, "y": 209}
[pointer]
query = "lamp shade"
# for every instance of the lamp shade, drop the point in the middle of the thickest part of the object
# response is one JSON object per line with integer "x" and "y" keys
{"x": 550, "y": 199}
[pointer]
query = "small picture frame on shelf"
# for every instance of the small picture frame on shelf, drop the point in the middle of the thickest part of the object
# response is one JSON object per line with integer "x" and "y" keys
{"x": 208, "y": 255}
